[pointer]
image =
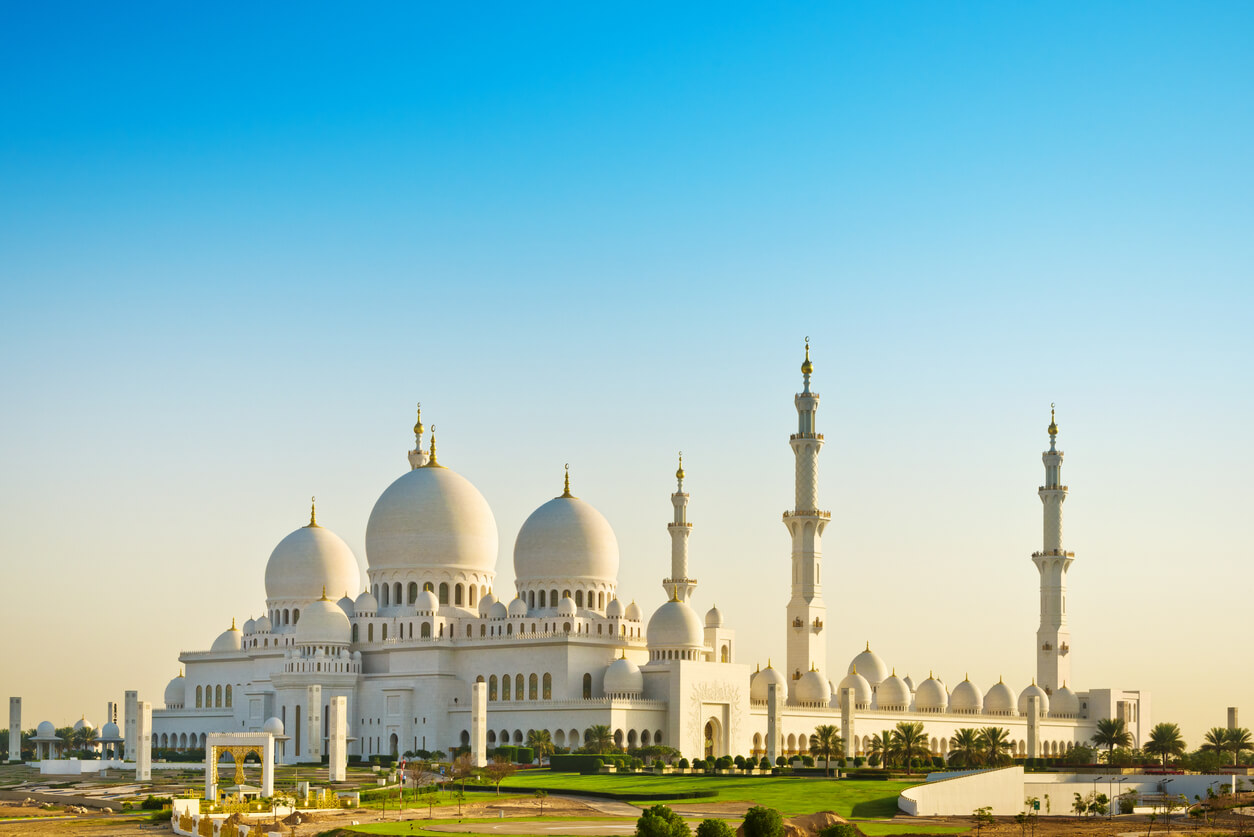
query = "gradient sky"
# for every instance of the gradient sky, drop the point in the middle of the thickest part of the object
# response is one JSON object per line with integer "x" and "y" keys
{"x": 238, "y": 242}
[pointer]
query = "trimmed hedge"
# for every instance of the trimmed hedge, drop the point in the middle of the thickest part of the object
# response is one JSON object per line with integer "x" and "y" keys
{"x": 587, "y": 762}
{"x": 625, "y": 797}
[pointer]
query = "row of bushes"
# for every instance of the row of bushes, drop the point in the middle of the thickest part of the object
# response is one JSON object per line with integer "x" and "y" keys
{"x": 516, "y": 754}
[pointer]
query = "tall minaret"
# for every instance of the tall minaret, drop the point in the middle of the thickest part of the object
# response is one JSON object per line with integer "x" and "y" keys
{"x": 679, "y": 586}
{"x": 807, "y": 645}
{"x": 1053, "y": 638}
{"x": 418, "y": 457}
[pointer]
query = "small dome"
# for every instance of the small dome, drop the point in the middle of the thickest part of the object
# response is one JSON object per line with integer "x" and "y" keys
{"x": 614, "y": 610}
{"x": 176, "y": 692}
{"x": 966, "y": 697}
{"x": 45, "y": 730}
{"x": 485, "y": 605}
{"x": 930, "y": 696}
{"x": 1064, "y": 703}
{"x": 623, "y": 677}
{"x": 999, "y": 700}
{"x": 760, "y": 682}
{"x": 1033, "y": 691}
{"x": 870, "y": 666}
{"x": 566, "y": 607}
{"x": 250, "y": 625}
{"x": 813, "y": 688}
{"x": 323, "y": 623}
{"x": 633, "y": 612}
{"x": 229, "y": 640}
{"x": 273, "y": 725}
{"x": 499, "y": 611}
{"x": 892, "y": 694}
{"x": 263, "y": 625}
{"x": 861, "y": 688}
{"x": 518, "y": 607}
{"x": 427, "y": 602}
{"x": 83, "y": 723}
{"x": 909, "y": 683}
{"x": 366, "y": 604}
{"x": 675, "y": 625}
{"x": 714, "y": 618}
{"x": 110, "y": 732}
{"x": 346, "y": 604}
{"x": 567, "y": 539}
{"x": 307, "y": 561}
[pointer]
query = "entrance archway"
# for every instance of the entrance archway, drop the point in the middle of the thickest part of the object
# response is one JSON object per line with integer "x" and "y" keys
{"x": 713, "y": 735}
{"x": 394, "y": 745}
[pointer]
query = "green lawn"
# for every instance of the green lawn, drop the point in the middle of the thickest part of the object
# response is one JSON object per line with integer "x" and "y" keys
{"x": 871, "y": 829}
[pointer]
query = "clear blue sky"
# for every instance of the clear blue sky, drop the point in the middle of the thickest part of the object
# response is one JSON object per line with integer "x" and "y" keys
{"x": 237, "y": 242}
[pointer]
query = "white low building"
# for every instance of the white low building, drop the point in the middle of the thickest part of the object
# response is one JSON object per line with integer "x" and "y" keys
{"x": 567, "y": 652}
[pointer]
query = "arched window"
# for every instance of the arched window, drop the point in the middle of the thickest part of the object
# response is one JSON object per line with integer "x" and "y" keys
{"x": 441, "y": 630}
{"x": 587, "y": 686}
{"x": 518, "y": 687}
{"x": 396, "y": 594}
{"x": 599, "y": 629}
{"x": 726, "y": 654}
{"x": 509, "y": 630}
{"x": 506, "y": 681}
{"x": 386, "y": 591}
{"x": 287, "y": 616}
{"x": 483, "y": 629}
{"x": 473, "y": 596}
{"x": 566, "y": 627}
{"x": 413, "y": 592}
{"x": 468, "y": 631}
{"x": 552, "y": 598}
{"x": 385, "y": 632}
{"x": 601, "y": 601}
{"x": 228, "y": 694}
{"x": 492, "y": 687}
{"x": 198, "y": 697}
{"x": 295, "y": 616}
{"x": 370, "y": 632}
{"x": 548, "y": 687}
{"x": 217, "y": 696}
{"x": 443, "y": 592}
{"x": 533, "y": 688}
{"x": 578, "y": 598}
{"x": 542, "y": 604}
{"x": 459, "y": 593}
{"x": 425, "y": 630}
{"x": 531, "y": 599}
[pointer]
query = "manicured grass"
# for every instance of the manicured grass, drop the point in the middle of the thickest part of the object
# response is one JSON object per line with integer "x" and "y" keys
{"x": 790, "y": 795}
{"x": 871, "y": 829}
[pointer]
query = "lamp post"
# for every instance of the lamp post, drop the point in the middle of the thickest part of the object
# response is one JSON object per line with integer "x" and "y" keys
{"x": 1119, "y": 782}
{"x": 1095, "y": 781}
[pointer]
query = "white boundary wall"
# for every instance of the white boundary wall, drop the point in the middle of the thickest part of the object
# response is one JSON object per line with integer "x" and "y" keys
{"x": 1001, "y": 790}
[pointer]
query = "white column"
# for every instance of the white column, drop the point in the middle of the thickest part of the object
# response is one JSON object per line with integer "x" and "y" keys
{"x": 143, "y": 741}
{"x": 846, "y": 722}
{"x": 1034, "y": 727}
{"x": 1232, "y": 720}
{"x": 1053, "y": 637}
{"x": 267, "y": 766}
{"x": 479, "y": 724}
{"x": 679, "y": 586}
{"x": 15, "y": 729}
{"x": 337, "y": 744}
{"x": 313, "y": 724}
{"x": 130, "y": 708}
{"x": 774, "y": 721}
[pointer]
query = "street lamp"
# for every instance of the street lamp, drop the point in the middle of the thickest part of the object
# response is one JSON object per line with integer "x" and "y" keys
{"x": 1119, "y": 782}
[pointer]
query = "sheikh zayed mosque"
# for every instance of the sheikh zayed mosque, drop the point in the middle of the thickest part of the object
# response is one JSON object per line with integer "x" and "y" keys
{"x": 569, "y": 651}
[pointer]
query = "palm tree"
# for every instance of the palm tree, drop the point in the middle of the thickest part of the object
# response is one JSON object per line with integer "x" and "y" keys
{"x": 909, "y": 740}
{"x": 1165, "y": 740}
{"x": 1238, "y": 740}
{"x": 1111, "y": 733}
{"x": 881, "y": 748}
{"x": 995, "y": 742}
{"x": 966, "y": 749}
{"x": 540, "y": 742}
{"x": 825, "y": 743}
{"x": 1216, "y": 740}
{"x": 598, "y": 739}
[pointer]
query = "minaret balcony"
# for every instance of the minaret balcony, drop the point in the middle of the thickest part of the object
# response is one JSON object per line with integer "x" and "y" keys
{"x": 796, "y": 436}
{"x": 1053, "y": 553}
{"x": 1053, "y": 488}
{"x": 822, "y": 515}
{"x": 678, "y": 525}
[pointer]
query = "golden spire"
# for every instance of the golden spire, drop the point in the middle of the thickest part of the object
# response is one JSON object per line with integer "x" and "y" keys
{"x": 623, "y": 654}
{"x": 324, "y": 594}
{"x": 432, "y": 462}
{"x": 566, "y": 489}
{"x": 1053, "y": 425}
{"x": 768, "y": 662}
{"x": 180, "y": 671}
{"x": 675, "y": 594}
{"x": 233, "y": 623}
{"x": 807, "y": 367}
{"x": 679, "y": 475}
{"x": 418, "y": 428}
{"x": 853, "y": 669}
{"x": 759, "y": 668}
{"x": 868, "y": 645}
{"x": 966, "y": 678}
{"x": 313, "y": 514}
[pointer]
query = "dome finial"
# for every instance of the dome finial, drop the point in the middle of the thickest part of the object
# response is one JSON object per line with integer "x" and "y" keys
{"x": 180, "y": 671}
{"x": 418, "y": 428}
{"x": 1053, "y": 425}
{"x": 432, "y": 463}
{"x": 807, "y": 367}
{"x": 853, "y": 669}
{"x": 324, "y": 594}
{"x": 232, "y": 623}
{"x": 679, "y": 475}
{"x": 868, "y": 645}
{"x": 313, "y": 514}
{"x": 566, "y": 488}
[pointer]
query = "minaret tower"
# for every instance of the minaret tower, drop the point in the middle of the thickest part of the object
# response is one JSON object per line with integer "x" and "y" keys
{"x": 1053, "y": 638}
{"x": 679, "y": 586}
{"x": 807, "y": 644}
{"x": 418, "y": 457}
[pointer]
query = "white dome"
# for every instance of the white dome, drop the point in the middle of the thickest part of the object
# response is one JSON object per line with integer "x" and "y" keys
{"x": 623, "y": 676}
{"x": 346, "y": 604}
{"x": 566, "y": 539}
{"x": 1034, "y": 691}
{"x": 909, "y": 681}
{"x": 1064, "y": 703}
{"x": 431, "y": 518}
{"x": 83, "y": 723}
{"x": 566, "y": 607}
{"x": 45, "y": 730}
{"x": 813, "y": 688}
{"x": 499, "y": 611}
{"x": 930, "y": 696}
{"x": 861, "y": 687}
{"x": 999, "y": 700}
{"x": 110, "y": 732}
{"x": 892, "y": 693}
{"x": 614, "y": 610}
{"x": 427, "y": 602}
{"x": 250, "y": 625}
{"x": 307, "y": 561}
{"x": 273, "y": 725}
{"x": 518, "y": 607}
{"x": 263, "y": 625}
{"x": 633, "y": 612}
{"x": 966, "y": 697}
{"x": 229, "y": 640}
{"x": 675, "y": 625}
{"x": 870, "y": 666}
{"x": 323, "y": 623}
{"x": 485, "y": 604}
{"x": 176, "y": 692}
{"x": 714, "y": 618}
{"x": 366, "y": 604}
{"x": 760, "y": 682}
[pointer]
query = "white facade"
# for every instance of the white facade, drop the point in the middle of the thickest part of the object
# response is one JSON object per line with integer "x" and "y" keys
{"x": 566, "y": 652}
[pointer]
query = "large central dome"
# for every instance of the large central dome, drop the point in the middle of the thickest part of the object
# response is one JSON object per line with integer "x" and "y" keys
{"x": 566, "y": 539}
{"x": 431, "y": 518}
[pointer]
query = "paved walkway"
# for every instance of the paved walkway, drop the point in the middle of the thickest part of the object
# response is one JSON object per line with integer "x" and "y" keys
{"x": 609, "y": 807}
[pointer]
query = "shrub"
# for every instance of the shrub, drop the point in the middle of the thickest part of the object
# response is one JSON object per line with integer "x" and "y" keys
{"x": 660, "y": 821}
{"x": 155, "y": 803}
{"x": 524, "y": 755}
{"x": 723, "y": 763}
{"x": 840, "y": 829}
{"x": 684, "y": 764}
{"x": 765, "y": 764}
{"x": 808, "y": 761}
{"x": 763, "y": 822}
{"x": 780, "y": 761}
{"x": 714, "y": 828}
{"x": 858, "y": 761}
{"x": 698, "y": 764}
{"x": 739, "y": 762}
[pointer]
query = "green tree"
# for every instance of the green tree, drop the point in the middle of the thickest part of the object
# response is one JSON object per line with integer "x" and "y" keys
{"x": 1165, "y": 740}
{"x": 1111, "y": 733}
{"x": 981, "y": 817}
{"x": 1238, "y": 742}
{"x": 463, "y": 768}
{"x": 826, "y": 744}
{"x": 763, "y": 822}
{"x": 498, "y": 770}
{"x": 1215, "y": 741}
{"x": 661, "y": 821}
{"x": 540, "y": 742}
{"x": 881, "y": 749}
{"x": 714, "y": 828}
{"x": 540, "y": 795}
{"x": 598, "y": 739}
{"x": 966, "y": 748}
{"x": 995, "y": 742}
{"x": 840, "y": 829}
{"x": 910, "y": 741}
